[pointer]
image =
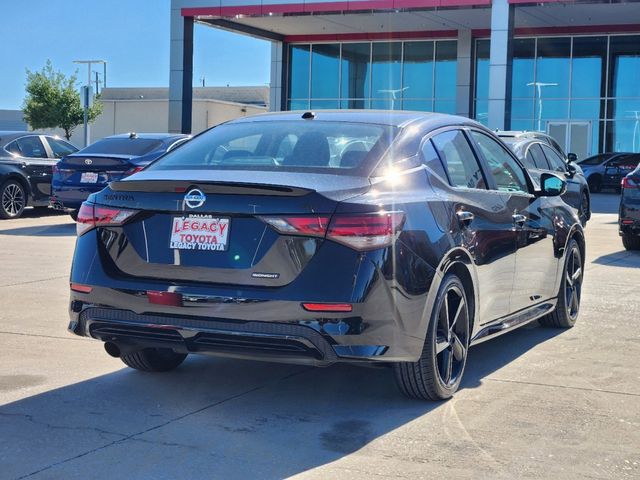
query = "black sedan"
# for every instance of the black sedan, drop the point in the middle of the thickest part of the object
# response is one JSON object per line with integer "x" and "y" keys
{"x": 393, "y": 238}
{"x": 78, "y": 175}
{"x": 629, "y": 219}
{"x": 26, "y": 165}
{"x": 540, "y": 153}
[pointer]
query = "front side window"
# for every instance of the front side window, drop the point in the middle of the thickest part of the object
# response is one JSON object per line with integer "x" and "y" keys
{"x": 555, "y": 160}
{"x": 281, "y": 146}
{"x": 31, "y": 147}
{"x": 508, "y": 175}
{"x": 459, "y": 160}
{"x": 60, "y": 148}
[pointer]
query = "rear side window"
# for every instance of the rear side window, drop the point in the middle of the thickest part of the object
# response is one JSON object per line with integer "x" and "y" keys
{"x": 538, "y": 157}
{"x": 459, "y": 160}
{"x": 430, "y": 159}
{"x": 60, "y": 148}
{"x": 283, "y": 145}
{"x": 508, "y": 175}
{"x": 555, "y": 160}
{"x": 123, "y": 146}
{"x": 29, "y": 147}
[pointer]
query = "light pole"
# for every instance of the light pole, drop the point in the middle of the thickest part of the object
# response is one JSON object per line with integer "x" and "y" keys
{"x": 539, "y": 86}
{"x": 87, "y": 94}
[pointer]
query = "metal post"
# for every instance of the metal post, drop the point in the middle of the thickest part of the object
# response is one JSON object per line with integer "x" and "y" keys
{"x": 88, "y": 95}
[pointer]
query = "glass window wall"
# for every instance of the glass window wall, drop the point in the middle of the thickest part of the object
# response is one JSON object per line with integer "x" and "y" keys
{"x": 412, "y": 75}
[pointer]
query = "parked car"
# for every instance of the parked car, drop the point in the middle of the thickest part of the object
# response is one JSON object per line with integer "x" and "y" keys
{"x": 606, "y": 170}
{"x": 89, "y": 170}
{"x": 263, "y": 239}
{"x": 541, "y": 153}
{"x": 26, "y": 164}
{"x": 629, "y": 218}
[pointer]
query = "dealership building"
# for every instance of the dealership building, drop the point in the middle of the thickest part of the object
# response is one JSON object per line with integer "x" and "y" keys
{"x": 569, "y": 68}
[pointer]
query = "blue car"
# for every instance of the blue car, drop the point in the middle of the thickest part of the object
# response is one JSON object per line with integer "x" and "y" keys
{"x": 89, "y": 170}
{"x": 606, "y": 170}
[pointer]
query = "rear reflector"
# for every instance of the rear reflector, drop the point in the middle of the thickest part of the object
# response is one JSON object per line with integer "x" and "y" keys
{"x": 627, "y": 222}
{"x": 165, "y": 298}
{"x": 327, "y": 307}
{"x": 366, "y": 231}
{"x": 78, "y": 287}
{"x": 91, "y": 216}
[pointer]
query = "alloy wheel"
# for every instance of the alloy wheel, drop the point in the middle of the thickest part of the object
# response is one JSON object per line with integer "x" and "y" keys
{"x": 583, "y": 212}
{"x": 452, "y": 336}
{"x": 13, "y": 199}
{"x": 573, "y": 283}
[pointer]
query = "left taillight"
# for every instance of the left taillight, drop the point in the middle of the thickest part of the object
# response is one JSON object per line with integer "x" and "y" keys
{"x": 91, "y": 216}
{"x": 630, "y": 182}
{"x": 133, "y": 170}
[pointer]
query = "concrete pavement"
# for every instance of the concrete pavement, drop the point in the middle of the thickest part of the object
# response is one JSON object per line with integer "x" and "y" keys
{"x": 536, "y": 403}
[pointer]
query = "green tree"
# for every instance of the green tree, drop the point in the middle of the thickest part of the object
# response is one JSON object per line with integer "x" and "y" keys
{"x": 53, "y": 101}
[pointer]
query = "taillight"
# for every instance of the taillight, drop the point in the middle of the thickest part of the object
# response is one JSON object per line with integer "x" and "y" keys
{"x": 314, "y": 226}
{"x": 133, "y": 170}
{"x": 92, "y": 216}
{"x": 628, "y": 182}
{"x": 327, "y": 307}
{"x": 366, "y": 232}
{"x": 55, "y": 168}
{"x": 361, "y": 232}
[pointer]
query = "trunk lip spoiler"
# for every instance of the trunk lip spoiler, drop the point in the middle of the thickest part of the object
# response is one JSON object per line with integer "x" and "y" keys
{"x": 219, "y": 187}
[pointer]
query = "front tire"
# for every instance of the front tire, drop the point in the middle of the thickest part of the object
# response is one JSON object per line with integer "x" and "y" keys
{"x": 568, "y": 306}
{"x": 153, "y": 359}
{"x": 13, "y": 199}
{"x": 630, "y": 241}
{"x": 438, "y": 372}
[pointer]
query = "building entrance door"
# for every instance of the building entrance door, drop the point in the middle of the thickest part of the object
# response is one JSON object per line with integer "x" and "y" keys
{"x": 574, "y": 137}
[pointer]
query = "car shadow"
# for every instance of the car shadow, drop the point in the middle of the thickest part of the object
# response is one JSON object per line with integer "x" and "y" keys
{"x": 623, "y": 258}
{"x": 237, "y": 419}
{"x": 58, "y": 230}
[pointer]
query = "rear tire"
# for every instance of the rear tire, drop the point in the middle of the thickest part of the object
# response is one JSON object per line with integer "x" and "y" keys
{"x": 153, "y": 359}
{"x": 438, "y": 372}
{"x": 630, "y": 241}
{"x": 13, "y": 199}
{"x": 569, "y": 294}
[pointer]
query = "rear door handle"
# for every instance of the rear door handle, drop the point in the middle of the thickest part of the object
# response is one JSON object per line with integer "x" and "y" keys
{"x": 464, "y": 217}
{"x": 519, "y": 219}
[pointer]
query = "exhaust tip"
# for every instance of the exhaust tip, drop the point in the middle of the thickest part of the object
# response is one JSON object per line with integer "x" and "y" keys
{"x": 112, "y": 349}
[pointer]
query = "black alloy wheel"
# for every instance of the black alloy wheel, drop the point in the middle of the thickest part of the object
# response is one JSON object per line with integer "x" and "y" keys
{"x": 438, "y": 372}
{"x": 570, "y": 293}
{"x": 13, "y": 199}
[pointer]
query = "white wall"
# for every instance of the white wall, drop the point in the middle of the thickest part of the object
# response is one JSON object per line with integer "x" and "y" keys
{"x": 151, "y": 116}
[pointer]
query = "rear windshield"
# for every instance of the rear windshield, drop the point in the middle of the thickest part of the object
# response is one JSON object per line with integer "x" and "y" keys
{"x": 282, "y": 145}
{"x": 123, "y": 146}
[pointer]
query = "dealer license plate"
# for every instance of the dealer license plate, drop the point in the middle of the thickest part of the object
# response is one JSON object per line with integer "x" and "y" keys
{"x": 199, "y": 233}
{"x": 89, "y": 177}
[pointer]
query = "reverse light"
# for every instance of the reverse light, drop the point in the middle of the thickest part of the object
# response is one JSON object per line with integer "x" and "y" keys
{"x": 628, "y": 182}
{"x": 91, "y": 216}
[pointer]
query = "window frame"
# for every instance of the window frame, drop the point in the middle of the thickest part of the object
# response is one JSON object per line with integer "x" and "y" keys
{"x": 489, "y": 178}
{"x": 47, "y": 138}
{"x": 563, "y": 164}
{"x": 539, "y": 144}
{"x": 45, "y": 147}
{"x": 463, "y": 130}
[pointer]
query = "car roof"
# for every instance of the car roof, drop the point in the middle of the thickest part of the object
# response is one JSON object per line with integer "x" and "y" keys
{"x": 150, "y": 136}
{"x": 375, "y": 117}
{"x": 8, "y": 135}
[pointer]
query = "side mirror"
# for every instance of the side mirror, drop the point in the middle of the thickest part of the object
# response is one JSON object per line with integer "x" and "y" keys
{"x": 571, "y": 170}
{"x": 572, "y": 157}
{"x": 551, "y": 185}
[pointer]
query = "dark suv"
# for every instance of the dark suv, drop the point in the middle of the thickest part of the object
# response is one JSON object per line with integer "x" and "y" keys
{"x": 629, "y": 220}
{"x": 541, "y": 153}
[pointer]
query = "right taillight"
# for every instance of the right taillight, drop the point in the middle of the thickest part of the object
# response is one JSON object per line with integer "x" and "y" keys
{"x": 366, "y": 231}
{"x": 628, "y": 182}
{"x": 91, "y": 216}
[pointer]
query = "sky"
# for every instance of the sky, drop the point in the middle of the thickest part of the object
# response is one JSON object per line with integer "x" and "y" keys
{"x": 131, "y": 35}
